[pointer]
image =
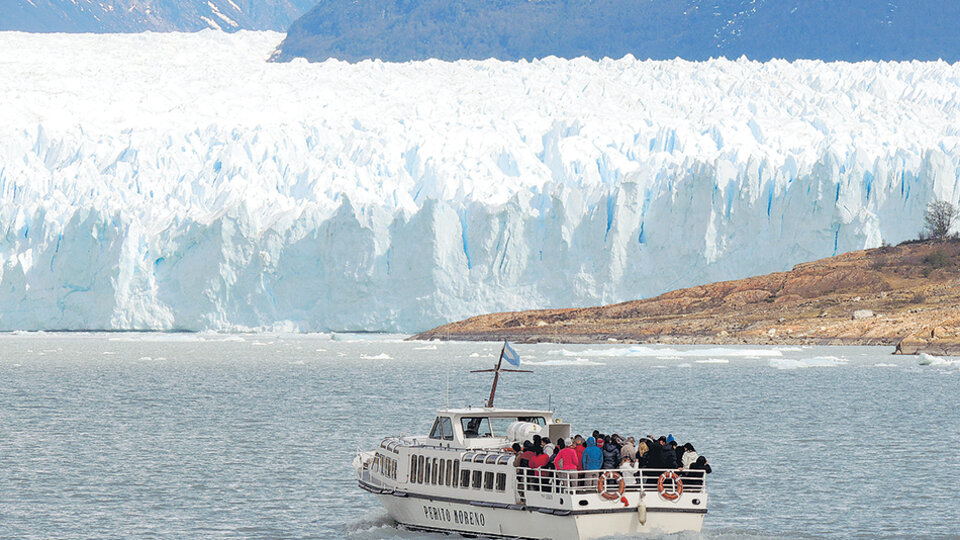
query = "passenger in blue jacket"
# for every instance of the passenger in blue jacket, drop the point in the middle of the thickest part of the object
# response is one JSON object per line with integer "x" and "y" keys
{"x": 592, "y": 456}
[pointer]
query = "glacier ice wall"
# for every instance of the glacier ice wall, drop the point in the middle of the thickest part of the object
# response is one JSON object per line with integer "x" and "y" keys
{"x": 179, "y": 181}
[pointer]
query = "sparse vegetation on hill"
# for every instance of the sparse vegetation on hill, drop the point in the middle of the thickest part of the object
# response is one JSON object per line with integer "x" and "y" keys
{"x": 906, "y": 295}
{"x": 938, "y": 219}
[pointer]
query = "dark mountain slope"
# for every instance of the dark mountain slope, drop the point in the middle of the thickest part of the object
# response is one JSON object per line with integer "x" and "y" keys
{"x": 401, "y": 30}
{"x": 145, "y": 15}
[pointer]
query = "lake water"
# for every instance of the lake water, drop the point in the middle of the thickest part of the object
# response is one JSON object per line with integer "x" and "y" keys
{"x": 207, "y": 436}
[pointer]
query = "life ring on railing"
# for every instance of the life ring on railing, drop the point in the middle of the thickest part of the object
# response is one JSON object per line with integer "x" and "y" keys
{"x": 603, "y": 486}
{"x": 675, "y": 490}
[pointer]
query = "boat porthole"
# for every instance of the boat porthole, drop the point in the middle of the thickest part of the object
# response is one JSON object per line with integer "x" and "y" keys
{"x": 696, "y": 501}
{"x": 584, "y": 502}
{"x": 561, "y": 500}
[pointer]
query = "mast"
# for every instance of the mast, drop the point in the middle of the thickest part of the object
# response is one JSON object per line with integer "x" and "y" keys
{"x": 496, "y": 374}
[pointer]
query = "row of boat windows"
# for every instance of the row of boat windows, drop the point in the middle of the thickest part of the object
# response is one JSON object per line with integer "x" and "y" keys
{"x": 386, "y": 466}
{"x": 447, "y": 472}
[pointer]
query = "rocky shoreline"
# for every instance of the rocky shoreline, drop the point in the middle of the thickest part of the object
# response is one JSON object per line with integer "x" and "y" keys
{"x": 905, "y": 297}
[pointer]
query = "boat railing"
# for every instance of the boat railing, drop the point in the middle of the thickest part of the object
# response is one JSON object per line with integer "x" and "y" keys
{"x": 587, "y": 482}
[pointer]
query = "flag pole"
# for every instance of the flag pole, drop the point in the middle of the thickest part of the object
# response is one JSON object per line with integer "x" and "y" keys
{"x": 496, "y": 375}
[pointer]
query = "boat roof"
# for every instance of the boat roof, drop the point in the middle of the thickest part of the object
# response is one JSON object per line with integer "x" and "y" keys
{"x": 493, "y": 412}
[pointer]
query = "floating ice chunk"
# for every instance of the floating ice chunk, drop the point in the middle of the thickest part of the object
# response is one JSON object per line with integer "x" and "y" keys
{"x": 713, "y": 361}
{"x": 666, "y": 352}
{"x": 426, "y": 348}
{"x": 381, "y": 356}
{"x": 574, "y": 362}
{"x": 930, "y": 360}
{"x": 794, "y": 363}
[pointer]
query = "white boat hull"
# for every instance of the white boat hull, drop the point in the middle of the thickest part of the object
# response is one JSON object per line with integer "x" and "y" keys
{"x": 428, "y": 514}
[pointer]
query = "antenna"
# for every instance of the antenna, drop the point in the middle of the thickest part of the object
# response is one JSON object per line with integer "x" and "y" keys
{"x": 448, "y": 386}
{"x": 550, "y": 392}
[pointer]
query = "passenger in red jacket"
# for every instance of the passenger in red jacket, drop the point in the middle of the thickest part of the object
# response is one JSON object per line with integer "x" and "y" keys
{"x": 539, "y": 459}
{"x": 578, "y": 448}
{"x": 566, "y": 459}
{"x": 523, "y": 458}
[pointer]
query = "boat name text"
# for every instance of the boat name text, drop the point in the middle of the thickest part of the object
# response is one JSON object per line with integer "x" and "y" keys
{"x": 460, "y": 517}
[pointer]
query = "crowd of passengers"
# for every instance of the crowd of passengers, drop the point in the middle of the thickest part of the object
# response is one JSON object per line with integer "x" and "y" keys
{"x": 608, "y": 452}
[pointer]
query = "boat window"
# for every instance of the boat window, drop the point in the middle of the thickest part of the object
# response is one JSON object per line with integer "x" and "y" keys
{"x": 538, "y": 420}
{"x": 475, "y": 427}
{"x": 434, "y": 478}
{"x": 456, "y": 472}
{"x": 436, "y": 432}
{"x": 420, "y": 470}
{"x": 501, "y": 481}
{"x": 500, "y": 426}
{"x": 447, "y": 426}
{"x": 488, "y": 480}
{"x": 505, "y": 459}
{"x": 442, "y": 429}
{"x": 413, "y": 468}
{"x": 477, "y": 477}
{"x": 443, "y": 471}
{"x": 449, "y": 473}
{"x": 492, "y": 458}
{"x": 465, "y": 478}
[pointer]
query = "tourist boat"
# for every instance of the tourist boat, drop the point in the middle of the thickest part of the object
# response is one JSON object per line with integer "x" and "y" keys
{"x": 460, "y": 478}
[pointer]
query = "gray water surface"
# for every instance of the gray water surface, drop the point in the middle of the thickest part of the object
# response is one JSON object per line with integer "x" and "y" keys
{"x": 208, "y": 436}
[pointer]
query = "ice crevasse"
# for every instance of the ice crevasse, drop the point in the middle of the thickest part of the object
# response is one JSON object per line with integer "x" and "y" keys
{"x": 179, "y": 181}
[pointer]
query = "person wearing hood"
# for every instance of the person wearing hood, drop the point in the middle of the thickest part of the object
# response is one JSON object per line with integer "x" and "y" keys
{"x": 611, "y": 454}
{"x": 689, "y": 456}
{"x": 701, "y": 464}
{"x": 592, "y": 456}
{"x": 628, "y": 453}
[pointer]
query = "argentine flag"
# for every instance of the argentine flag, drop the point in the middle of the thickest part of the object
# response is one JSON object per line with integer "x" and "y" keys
{"x": 510, "y": 355}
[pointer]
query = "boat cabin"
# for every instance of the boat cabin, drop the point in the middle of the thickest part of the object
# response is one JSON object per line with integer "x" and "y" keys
{"x": 487, "y": 427}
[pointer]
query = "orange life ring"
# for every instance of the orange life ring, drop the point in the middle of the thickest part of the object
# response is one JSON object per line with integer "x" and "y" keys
{"x": 603, "y": 487}
{"x": 677, "y": 489}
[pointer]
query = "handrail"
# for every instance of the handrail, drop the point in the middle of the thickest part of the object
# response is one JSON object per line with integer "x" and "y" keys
{"x": 586, "y": 482}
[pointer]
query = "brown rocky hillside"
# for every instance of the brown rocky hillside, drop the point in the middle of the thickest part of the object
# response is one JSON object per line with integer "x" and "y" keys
{"x": 908, "y": 295}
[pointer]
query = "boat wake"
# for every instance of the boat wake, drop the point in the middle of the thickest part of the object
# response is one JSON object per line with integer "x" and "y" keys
{"x": 375, "y": 525}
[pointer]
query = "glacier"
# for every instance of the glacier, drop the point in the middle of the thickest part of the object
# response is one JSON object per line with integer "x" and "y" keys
{"x": 182, "y": 182}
